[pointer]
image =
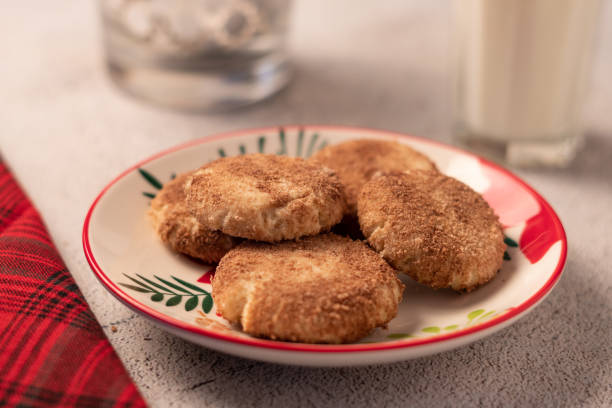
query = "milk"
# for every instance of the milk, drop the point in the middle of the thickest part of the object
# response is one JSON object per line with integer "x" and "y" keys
{"x": 523, "y": 67}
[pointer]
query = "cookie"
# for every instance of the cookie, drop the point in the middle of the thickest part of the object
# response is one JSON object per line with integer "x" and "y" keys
{"x": 180, "y": 230}
{"x": 321, "y": 289}
{"x": 432, "y": 227}
{"x": 356, "y": 161}
{"x": 266, "y": 197}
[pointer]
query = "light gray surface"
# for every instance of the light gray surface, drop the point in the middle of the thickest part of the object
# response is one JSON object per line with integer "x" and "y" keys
{"x": 65, "y": 131}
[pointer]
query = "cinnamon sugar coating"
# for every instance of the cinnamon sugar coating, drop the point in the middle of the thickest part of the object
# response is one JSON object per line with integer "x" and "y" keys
{"x": 432, "y": 227}
{"x": 176, "y": 226}
{"x": 356, "y": 161}
{"x": 266, "y": 197}
{"x": 321, "y": 289}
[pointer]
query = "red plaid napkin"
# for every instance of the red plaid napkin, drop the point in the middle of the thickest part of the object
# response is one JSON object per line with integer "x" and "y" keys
{"x": 52, "y": 350}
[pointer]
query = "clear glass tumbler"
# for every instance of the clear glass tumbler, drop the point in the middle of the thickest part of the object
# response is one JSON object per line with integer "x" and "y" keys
{"x": 203, "y": 55}
{"x": 522, "y": 71}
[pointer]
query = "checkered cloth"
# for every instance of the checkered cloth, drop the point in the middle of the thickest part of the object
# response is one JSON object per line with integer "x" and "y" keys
{"x": 52, "y": 350}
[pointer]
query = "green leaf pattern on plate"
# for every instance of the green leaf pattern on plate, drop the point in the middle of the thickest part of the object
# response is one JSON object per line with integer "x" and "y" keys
{"x": 474, "y": 317}
{"x": 283, "y": 142}
{"x": 311, "y": 145}
{"x": 511, "y": 244}
{"x": 150, "y": 178}
{"x": 431, "y": 329}
{"x": 173, "y": 292}
{"x": 306, "y": 146}
{"x": 191, "y": 303}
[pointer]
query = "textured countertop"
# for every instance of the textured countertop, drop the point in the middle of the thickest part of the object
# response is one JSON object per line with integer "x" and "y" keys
{"x": 66, "y": 132}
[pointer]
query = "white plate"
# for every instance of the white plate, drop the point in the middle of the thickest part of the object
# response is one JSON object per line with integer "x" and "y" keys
{"x": 174, "y": 291}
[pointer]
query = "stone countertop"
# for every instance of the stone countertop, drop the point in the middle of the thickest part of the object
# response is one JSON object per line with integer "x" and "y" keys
{"x": 66, "y": 132}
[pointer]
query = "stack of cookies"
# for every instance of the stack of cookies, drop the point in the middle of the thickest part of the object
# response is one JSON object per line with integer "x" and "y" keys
{"x": 282, "y": 275}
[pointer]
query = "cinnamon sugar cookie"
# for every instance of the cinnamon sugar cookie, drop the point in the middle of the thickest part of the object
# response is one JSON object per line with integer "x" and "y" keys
{"x": 432, "y": 227}
{"x": 356, "y": 161}
{"x": 266, "y": 197}
{"x": 321, "y": 289}
{"x": 179, "y": 229}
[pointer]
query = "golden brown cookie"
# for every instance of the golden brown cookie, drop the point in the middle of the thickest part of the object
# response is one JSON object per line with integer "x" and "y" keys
{"x": 356, "y": 161}
{"x": 321, "y": 289}
{"x": 432, "y": 227}
{"x": 266, "y": 197}
{"x": 178, "y": 227}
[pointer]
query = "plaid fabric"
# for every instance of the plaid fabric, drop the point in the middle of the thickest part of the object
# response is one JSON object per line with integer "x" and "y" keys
{"x": 52, "y": 350}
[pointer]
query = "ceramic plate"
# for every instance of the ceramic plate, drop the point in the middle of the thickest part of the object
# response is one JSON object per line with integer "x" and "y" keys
{"x": 175, "y": 292}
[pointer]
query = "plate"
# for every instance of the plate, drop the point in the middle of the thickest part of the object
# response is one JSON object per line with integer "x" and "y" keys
{"x": 175, "y": 292}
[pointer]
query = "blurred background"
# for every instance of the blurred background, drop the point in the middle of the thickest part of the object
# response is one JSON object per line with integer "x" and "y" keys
{"x": 388, "y": 66}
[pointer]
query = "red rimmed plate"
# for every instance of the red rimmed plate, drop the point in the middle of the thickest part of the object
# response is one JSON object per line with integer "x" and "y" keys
{"x": 174, "y": 292}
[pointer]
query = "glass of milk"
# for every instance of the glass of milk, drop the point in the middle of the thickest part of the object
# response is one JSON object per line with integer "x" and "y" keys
{"x": 523, "y": 68}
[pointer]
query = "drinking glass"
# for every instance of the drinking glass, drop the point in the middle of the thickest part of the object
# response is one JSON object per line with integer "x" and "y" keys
{"x": 197, "y": 54}
{"x": 521, "y": 75}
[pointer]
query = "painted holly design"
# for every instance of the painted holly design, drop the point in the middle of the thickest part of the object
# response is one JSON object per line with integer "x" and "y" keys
{"x": 173, "y": 292}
